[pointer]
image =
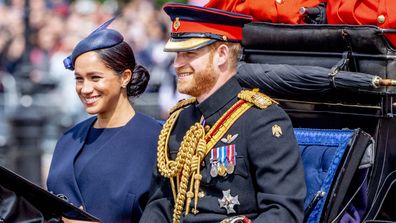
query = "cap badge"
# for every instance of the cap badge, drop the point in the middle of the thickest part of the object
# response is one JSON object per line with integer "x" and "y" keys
{"x": 276, "y": 131}
{"x": 176, "y": 24}
{"x": 228, "y": 202}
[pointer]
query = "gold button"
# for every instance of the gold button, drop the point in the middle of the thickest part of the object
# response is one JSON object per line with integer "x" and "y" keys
{"x": 207, "y": 128}
{"x": 381, "y": 19}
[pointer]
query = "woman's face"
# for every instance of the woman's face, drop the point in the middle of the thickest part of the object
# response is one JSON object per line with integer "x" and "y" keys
{"x": 98, "y": 87}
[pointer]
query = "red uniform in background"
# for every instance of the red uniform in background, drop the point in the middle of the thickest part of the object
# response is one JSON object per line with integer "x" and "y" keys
{"x": 276, "y": 11}
{"x": 381, "y": 13}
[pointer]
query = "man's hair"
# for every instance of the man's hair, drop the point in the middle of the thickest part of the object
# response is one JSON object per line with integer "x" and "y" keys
{"x": 235, "y": 51}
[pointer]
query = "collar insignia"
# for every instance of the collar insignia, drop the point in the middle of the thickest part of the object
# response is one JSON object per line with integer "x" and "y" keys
{"x": 276, "y": 131}
{"x": 229, "y": 139}
{"x": 228, "y": 202}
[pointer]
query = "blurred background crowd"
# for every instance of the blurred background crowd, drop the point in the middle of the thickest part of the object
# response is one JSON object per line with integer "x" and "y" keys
{"x": 37, "y": 97}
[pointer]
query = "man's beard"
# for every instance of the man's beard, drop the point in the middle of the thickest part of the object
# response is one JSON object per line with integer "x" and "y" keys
{"x": 200, "y": 83}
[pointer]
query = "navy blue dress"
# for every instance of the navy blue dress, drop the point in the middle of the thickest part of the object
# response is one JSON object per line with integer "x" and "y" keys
{"x": 114, "y": 176}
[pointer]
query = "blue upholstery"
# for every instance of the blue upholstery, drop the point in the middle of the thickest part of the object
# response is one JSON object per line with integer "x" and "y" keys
{"x": 321, "y": 151}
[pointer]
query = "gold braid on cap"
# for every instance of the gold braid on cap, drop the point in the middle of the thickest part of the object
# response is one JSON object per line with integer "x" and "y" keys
{"x": 185, "y": 169}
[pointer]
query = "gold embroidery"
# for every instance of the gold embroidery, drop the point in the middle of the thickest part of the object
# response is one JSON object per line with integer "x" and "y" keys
{"x": 257, "y": 98}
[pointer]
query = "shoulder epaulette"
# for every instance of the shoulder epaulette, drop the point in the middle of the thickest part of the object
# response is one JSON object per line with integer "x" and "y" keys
{"x": 183, "y": 103}
{"x": 257, "y": 98}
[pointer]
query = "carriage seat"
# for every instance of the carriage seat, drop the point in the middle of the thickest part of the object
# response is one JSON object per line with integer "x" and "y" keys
{"x": 322, "y": 151}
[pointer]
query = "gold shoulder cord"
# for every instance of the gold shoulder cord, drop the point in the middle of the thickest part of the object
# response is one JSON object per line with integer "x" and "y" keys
{"x": 194, "y": 147}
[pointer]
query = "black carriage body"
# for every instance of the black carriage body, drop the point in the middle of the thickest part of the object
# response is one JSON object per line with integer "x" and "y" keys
{"x": 344, "y": 47}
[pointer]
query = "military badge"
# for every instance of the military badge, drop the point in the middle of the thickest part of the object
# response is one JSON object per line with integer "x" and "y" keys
{"x": 276, "y": 131}
{"x": 228, "y": 202}
{"x": 229, "y": 139}
{"x": 176, "y": 23}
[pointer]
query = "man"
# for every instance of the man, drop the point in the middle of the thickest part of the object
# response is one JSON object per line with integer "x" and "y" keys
{"x": 225, "y": 153}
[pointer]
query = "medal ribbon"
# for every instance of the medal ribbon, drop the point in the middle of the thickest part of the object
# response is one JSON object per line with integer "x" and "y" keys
{"x": 231, "y": 154}
{"x": 222, "y": 155}
{"x": 213, "y": 155}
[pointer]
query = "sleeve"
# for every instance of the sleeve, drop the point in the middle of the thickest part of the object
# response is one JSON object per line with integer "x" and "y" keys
{"x": 159, "y": 207}
{"x": 277, "y": 165}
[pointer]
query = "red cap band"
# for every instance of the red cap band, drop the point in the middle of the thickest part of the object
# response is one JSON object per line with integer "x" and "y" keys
{"x": 231, "y": 32}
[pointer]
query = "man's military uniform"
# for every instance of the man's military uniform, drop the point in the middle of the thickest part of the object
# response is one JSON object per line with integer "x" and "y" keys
{"x": 276, "y": 11}
{"x": 233, "y": 154}
{"x": 267, "y": 182}
{"x": 381, "y": 13}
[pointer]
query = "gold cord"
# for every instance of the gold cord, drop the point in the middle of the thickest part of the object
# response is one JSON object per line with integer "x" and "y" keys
{"x": 193, "y": 149}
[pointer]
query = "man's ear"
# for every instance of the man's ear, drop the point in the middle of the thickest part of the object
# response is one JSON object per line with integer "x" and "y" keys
{"x": 223, "y": 53}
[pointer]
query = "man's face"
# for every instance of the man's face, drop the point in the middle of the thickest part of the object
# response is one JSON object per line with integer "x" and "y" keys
{"x": 196, "y": 73}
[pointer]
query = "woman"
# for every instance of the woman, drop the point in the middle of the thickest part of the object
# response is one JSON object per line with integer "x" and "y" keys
{"x": 104, "y": 163}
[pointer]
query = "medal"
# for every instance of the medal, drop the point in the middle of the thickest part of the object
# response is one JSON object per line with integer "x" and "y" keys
{"x": 230, "y": 168}
{"x": 228, "y": 202}
{"x": 213, "y": 170}
{"x": 223, "y": 158}
{"x": 231, "y": 161}
{"x": 222, "y": 170}
{"x": 214, "y": 158}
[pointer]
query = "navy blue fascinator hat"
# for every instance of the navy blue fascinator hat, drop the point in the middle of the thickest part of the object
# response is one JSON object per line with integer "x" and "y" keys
{"x": 100, "y": 38}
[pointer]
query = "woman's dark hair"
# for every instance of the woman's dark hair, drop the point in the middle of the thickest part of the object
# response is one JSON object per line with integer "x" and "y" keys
{"x": 119, "y": 58}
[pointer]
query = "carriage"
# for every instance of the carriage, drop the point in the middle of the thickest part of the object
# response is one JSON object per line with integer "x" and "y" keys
{"x": 343, "y": 125}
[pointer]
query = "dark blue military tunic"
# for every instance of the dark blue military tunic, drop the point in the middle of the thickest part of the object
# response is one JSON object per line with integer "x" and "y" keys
{"x": 268, "y": 177}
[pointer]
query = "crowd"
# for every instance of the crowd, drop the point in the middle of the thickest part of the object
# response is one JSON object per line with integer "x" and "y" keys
{"x": 56, "y": 26}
